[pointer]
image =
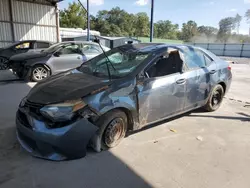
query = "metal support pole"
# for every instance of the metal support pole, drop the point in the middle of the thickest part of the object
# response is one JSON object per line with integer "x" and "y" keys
{"x": 152, "y": 21}
{"x": 57, "y": 24}
{"x": 11, "y": 22}
{"x": 88, "y": 22}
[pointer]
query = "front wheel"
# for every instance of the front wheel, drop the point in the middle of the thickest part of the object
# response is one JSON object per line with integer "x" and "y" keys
{"x": 39, "y": 73}
{"x": 112, "y": 129}
{"x": 215, "y": 98}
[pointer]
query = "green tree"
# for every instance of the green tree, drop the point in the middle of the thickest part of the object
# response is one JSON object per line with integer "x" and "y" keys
{"x": 226, "y": 25}
{"x": 166, "y": 29}
{"x": 142, "y": 25}
{"x": 238, "y": 19}
{"x": 74, "y": 16}
{"x": 189, "y": 30}
{"x": 208, "y": 31}
{"x": 247, "y": 15}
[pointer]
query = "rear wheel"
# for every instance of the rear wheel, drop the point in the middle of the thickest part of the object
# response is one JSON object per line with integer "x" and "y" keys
{"x": 39, "y": 73}
{"x": 3, "y": 63}
{"x": 215, "y": 98}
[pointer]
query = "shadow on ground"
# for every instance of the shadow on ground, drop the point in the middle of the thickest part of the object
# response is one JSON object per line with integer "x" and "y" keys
{"x": 19, "y": 169}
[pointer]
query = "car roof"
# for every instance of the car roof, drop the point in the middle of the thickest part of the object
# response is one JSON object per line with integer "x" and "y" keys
{"x": 151, "y": 47}
{"x": 34, "y": 41}
{"x": 78, "y": 42}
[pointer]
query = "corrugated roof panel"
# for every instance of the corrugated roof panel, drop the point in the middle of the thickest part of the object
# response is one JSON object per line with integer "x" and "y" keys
{"x": 33, "y": 13}
{"x": 5, "y": 32}
{"x": 2, "y": 44}
{"x": 30, "y": 32}
{"x": 4, "y": 10}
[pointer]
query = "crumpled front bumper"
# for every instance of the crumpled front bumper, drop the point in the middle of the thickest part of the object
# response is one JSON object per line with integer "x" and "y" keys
{"x": 69, "y": 142}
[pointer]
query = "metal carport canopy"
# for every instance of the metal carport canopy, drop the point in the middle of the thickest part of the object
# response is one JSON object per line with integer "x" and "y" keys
{"x": 29, "y": 19}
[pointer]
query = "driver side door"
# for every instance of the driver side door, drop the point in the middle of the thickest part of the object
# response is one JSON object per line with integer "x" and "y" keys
{"x": 160, "y": 96}
{"x": 66, "y": 58}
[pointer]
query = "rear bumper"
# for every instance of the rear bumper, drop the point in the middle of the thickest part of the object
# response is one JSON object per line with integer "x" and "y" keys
{"x": 69, "y": 142}
{"x": 228, "y": 84}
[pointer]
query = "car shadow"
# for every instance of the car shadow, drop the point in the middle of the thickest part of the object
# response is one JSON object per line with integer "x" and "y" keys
{"x": 223, "y": 117}
{"x": 244, "y": 114}
{"x": 152, "y": 125}
{"x": 20, "y": 169}
{"x": 7, "y": 76}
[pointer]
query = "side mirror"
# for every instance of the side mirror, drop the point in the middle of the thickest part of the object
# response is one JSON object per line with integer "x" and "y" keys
{"x": 57, "y": 54}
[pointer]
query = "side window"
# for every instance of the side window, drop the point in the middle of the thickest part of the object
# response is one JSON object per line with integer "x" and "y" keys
{"x": 71, "y": 49}
{"x": 25, "y": 45}
{"x": 166, "y": 65}
{"x": 208, "y": 60}
{"x": 195, "y": 59}
{"x": 91, "y": 49}
{"x": 42, "y": 45}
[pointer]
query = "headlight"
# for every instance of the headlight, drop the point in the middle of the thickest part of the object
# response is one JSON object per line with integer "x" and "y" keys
{"x": 62, "y": 111}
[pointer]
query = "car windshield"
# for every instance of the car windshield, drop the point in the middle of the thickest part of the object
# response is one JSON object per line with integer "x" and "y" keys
{"x": 121, "y": 63}
{"x": 54, "y": 47}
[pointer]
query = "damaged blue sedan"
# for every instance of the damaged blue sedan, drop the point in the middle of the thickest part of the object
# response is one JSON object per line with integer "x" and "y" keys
{"x": 125, "y": 89}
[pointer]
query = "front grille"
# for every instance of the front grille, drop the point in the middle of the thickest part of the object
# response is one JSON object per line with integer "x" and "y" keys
{"x": 24, "y": 120}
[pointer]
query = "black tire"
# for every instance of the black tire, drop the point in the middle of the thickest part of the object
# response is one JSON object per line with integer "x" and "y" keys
{"x": 45, "y": 73}
{"x": 215, "y": 98}
{"x": 107, "y": 123}
{"x": 3, "y": 63}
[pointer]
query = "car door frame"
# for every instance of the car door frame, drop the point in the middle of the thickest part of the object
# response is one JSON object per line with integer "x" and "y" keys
{"x": 141, "y": 79}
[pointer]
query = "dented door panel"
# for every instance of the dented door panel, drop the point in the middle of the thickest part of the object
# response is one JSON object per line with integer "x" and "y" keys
{"x": 160, "y": 97}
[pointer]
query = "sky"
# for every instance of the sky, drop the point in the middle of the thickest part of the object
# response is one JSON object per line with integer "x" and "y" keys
{"x": 203, "y": 12}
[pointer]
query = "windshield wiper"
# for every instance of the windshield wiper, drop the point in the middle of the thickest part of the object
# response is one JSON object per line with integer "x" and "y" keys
{"x": 98, "y": 41}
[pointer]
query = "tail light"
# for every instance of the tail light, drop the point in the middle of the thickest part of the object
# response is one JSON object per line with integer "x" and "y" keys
{"x": 229, "y": 67}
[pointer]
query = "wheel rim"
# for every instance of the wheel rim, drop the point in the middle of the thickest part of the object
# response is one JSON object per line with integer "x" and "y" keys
{"x": 40, "y": 73}
{"x": 216, "y": 98}
{"x": 114, "y": 132}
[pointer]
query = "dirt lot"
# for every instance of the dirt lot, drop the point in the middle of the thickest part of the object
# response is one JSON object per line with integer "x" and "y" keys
{"x": 206, "y": 150}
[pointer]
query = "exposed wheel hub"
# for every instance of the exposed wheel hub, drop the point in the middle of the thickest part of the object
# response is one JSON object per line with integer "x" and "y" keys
{"x": 216, "y": 98}
{"x": 114, "y": 132}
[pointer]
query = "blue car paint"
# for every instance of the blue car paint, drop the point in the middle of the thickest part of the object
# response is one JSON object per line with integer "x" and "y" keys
{"x": 146, "y": 100}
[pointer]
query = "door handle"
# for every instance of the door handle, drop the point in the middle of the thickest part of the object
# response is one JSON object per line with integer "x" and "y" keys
{"x": 181, "y": 81}
{"x": 78, "y": 57}
{"x": 212, "y": 71}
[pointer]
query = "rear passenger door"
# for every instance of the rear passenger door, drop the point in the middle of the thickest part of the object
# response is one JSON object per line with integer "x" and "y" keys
{"x": 198, "y": 74}
{"x": 67, "y": 58}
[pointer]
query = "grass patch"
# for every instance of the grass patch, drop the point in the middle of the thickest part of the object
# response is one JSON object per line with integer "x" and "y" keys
{"x": 146, "y": 39}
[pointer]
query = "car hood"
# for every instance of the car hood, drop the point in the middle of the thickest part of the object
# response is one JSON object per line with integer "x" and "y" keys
{"x": 69, "y": 85}
{"x": 28, "y": 55}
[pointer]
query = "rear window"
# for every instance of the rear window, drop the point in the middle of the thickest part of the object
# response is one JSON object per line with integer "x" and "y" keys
{"x": 42, "y": 45}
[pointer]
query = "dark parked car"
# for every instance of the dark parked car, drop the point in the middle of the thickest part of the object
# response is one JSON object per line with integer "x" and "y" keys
{"x": 59, "y": 57}
{"x": 98, "y": 102}
{"x": 20, "y": 47}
